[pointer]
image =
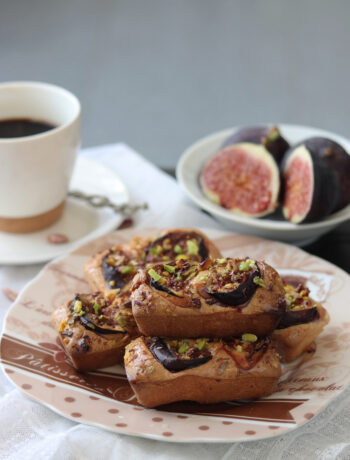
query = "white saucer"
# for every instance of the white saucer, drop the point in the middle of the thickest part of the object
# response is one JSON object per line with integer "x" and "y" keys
{"x": 80, "y": 222}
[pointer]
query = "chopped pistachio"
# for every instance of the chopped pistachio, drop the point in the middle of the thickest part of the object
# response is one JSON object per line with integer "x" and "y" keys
{"x": 111, "y": 261}
{"x": 112, "y": 283}
{"x": 156, "y": 250}
{"x": 221, "y": 261}
{"x": 201, "y": 343}
{"x": 169, "y": 268}
{"x": 182, "y": 256}
{"x": 121, "y": 320}
{"x": 77, "y": 306}
{"x": 192, "y": 247}
{"x": 179, "y": 277}
{"x": 126, "y": 270}
{"x": 150, "y": 369}
{"x": 178, "y": 249}
{"x": 96, "y": 307}
{"x": 259, "y": 282}
{"x": 249, "y": 338}
{"x": 153, "y": 274}
{"x": 183, "y": 348}
{"x": 246, "y": 265}
{"x": 239, "y": 348}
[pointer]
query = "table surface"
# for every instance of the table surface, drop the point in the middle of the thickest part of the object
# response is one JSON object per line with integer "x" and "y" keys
{"x": 334, "y": 246}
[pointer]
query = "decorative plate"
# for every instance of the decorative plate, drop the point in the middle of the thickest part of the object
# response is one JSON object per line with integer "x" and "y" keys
{"x": 35, "y": 362}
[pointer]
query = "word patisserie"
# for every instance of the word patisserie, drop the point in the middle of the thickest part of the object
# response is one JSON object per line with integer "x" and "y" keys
{"x": 189, "y": 324}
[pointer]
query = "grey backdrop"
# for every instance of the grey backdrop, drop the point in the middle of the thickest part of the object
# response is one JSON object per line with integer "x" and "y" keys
{"x": 158, "y": 74}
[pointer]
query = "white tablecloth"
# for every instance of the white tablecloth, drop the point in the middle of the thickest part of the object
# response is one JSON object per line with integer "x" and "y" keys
{"x": 31, "y": 431}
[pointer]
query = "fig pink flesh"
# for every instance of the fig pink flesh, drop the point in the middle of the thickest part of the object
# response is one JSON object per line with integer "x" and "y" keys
{"x": 298, "y": 188}
{"x": 240, "y": 180}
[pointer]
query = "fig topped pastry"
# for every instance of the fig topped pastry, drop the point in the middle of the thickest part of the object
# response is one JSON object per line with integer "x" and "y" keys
{"x": 94, "y": 329}
{"x": 303, "y": 320}
{"x": 116, "y": 267}
{"x": 205, "y": 370}
{"x": 216, "y": 298}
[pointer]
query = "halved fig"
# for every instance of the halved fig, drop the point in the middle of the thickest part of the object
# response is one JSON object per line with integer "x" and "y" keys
{"x": 239, "y": 295}
{"x": 311, "y": 186}
{"x": 172, "y": 360}
{"x": 243, "y": 178}
{"x": 294, "y": 317}
{"x": 336, "y": 159}
{"x": 268, "y": 136}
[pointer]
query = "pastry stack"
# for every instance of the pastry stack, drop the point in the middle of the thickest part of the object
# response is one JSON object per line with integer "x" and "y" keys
{"x": 189, "y": 324}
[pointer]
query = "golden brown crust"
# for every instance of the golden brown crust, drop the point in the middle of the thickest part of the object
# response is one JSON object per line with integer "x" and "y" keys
{"x": 219, "y": 379}
{"x": 293, "y": 341}
{"x": 158, "y": 313}
{"x": 86, "y": 349}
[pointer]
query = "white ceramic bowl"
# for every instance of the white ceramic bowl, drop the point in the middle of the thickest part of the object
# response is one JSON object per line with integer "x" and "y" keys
{"x": 193, "y": 160}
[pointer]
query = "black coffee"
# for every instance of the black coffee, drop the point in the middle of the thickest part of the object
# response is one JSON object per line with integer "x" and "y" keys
{"x": 21, "y": 127}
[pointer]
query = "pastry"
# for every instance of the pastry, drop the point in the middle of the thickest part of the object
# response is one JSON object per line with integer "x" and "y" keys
{"x": 162, "y": 371}
{"x": 216, "y": 298}
{"x": 303, "y": 320}
{"x": 94, "y": 330}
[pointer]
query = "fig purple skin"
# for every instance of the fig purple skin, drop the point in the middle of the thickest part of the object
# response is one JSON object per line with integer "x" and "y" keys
{"x": 337, "y": 159}
{"x": 177, "y": 236}
{"x": 86, "y": 321}
{"x": 325, "y": 194}
{"x": 295, "y": 317}
{"x": 111, "y": 273}
{"x": 241, "y": 295}
{"x": 170, "y": 361}
{"x": 270, "y": 137}
{"x": 160, "y": 287}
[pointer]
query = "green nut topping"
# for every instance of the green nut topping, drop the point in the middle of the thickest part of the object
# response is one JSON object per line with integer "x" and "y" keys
{"x": 153, "y": 274}
{"x": 246, "y": 265}
{"x": 201, "y": 343}
{"x": 192, "y": 247}
{"x": 126, "y": 270}
{"x": 96, "y": 307}
{"x": 183, "y": 348}
{"x": 178, "y": 249}
{"x": 156, "y": 250}
{"x": 169, "y": 268}
{"x": 251, "y": 338}
{"x": 259, "y": 282}
{"x": 77, "y": 306}
{"x": 221, "y": 261}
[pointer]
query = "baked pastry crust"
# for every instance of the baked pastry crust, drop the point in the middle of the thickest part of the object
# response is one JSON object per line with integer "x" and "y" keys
{"x": 137, "y": 252}
{"x": 86, "y": 349}
{"x": 158, "y": 313}
{"x": 220, "y": 379}
{"x": 293, "y": 341}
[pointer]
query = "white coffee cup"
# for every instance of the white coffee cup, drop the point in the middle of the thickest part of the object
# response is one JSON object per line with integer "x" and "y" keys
{"x": 35, "y": 170}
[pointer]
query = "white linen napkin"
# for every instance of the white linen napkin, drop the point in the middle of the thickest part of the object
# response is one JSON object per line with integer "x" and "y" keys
{"x": 29, "y": 430}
